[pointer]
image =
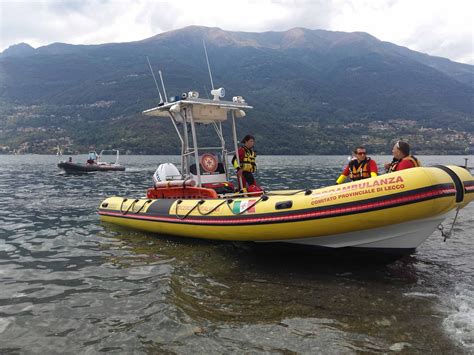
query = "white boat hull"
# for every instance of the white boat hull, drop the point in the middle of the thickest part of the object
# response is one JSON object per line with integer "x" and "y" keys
{"x": 407, "y": 235}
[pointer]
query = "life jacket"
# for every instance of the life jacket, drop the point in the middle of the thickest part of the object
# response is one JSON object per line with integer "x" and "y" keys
{"x": 248, "y": 162}
{"x": 358, "y": 171}
{"x": 412, "y": 158}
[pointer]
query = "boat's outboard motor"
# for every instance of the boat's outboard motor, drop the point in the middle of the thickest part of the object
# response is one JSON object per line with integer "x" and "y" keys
{"x": 166, "y": 172}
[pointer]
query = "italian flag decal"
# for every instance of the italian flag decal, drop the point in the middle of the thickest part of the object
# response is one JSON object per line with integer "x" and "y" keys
{"x": 240, "y": 206}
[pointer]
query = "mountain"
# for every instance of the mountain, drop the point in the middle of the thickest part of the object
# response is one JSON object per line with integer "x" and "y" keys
{"x": 314, "y": 92}
{"x": 18, "y": 50}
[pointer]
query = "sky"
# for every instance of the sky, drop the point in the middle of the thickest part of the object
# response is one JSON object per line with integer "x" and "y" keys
{"x": 436, "y": 27}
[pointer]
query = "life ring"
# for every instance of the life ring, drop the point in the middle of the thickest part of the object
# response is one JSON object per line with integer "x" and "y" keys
{"x": 209, "y": 162}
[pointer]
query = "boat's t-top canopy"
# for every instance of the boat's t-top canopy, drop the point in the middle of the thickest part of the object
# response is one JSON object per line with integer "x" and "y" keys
{"x": 189, "y": 109}
{"x": 97, "y": 157}
{"x": 117, "y": 154}
{"x": 202, "y": 110}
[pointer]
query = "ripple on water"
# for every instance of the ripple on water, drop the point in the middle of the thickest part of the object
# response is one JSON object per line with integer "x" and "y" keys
{"x": 460, "y": 320}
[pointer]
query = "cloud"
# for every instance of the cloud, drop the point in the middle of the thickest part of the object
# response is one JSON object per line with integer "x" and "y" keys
{"x": 442, "y": 28}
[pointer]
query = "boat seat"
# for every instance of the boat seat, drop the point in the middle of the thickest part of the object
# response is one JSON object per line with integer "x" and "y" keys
{"x": 188, "y": 192}
{"x": 221, "y": 187}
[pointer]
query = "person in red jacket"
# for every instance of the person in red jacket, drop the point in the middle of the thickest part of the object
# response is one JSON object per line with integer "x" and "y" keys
{"x": 361, "y": 167}
{"x": 402, "y": 159}
{"x": 246, "y": 165}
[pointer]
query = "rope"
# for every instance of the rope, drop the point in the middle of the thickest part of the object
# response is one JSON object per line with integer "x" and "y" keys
{"x": 215, "y": 208}
{"x": 227, "y": 202}
{"x": 306, "y": 192}
{"x": 121, "y": 205}
{"x": 132, "y": 205}
{"x": 143, "y": 205}
{"x": 129, "y": 207}
{"x": 200, "y": 202}
{"x": 447, "y": 234}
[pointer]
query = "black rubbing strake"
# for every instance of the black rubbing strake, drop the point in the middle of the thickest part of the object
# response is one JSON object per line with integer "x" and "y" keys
{"x": 457, "y": 182}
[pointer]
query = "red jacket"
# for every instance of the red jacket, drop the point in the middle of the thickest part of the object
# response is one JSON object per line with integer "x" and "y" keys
{"x": 371, "y": 168}
{"x": 406, "y": 163}
{"x": 241, "y": 154}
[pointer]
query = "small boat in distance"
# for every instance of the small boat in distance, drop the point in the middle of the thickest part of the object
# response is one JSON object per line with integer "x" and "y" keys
{"x": 93, "y": 163}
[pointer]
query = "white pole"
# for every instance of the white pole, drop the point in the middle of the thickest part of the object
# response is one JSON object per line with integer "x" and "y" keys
{"x": 196, "y": 152}
{"x": 208, "y": 66}
{"x": 182, "y": 142}
{"x": 163, "y": 84}
{"x": 236, "y": 148}
{"x": 186, "y": 141}
{"x": 156, "y": 83}
{"x": 224, "y": 152}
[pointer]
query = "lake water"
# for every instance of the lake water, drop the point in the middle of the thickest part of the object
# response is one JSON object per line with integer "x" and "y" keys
{"x": 69, "y": 284}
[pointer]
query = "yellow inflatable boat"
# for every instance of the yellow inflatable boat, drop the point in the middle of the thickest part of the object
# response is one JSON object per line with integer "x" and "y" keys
{"x": 396, "y": 211}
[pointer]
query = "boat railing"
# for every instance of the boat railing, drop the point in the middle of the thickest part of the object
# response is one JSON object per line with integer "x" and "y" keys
{"x": 117, "y": 155}
{"x": 210, "y": 148}
{"x": 192, "y": 151}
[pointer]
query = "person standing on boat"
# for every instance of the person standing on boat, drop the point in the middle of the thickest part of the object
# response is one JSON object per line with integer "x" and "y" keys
{"x": 92, "y": 159}
{"x": 402, "y": 159}
{"x": 247, "y": 165}
{"x": 360, "y": 167}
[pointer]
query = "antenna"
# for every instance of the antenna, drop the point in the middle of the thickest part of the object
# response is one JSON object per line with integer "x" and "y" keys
{"x": 157, "y": 88}
{"x": 163, "y": 85}
{"x": 208, "y": 66}
{"x": 217, "y": 93}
